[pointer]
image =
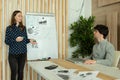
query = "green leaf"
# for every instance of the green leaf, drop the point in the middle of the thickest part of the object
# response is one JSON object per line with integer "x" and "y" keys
{"x": 82, "y": 36}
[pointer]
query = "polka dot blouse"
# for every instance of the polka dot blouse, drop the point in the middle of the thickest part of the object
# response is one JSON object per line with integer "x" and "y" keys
{"x": 10, "y": 39}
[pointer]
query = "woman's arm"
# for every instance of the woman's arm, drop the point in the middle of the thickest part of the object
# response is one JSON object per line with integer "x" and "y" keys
{"x": 109, "y": 57}
{"x": 8, "y": 39}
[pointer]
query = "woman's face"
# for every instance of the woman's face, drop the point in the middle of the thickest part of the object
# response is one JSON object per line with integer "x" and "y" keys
{"x": 18, "y": 17}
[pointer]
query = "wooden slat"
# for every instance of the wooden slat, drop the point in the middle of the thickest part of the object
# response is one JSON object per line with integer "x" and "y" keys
{"x": 7, "y": 70}
{"x": 30, "y": 73}
{"x": 5, "y": 55}
{"x": 6, "y": 22}
{"x": 14, "y": 5}
{"x": 23, "y": 10}
{"x": 59, "y": 41}
{"x": 5, "y": 15}
{"x": 0, "y": 27}
{"x": 41, "y": 6}
{"x": 38, "y": 5}
{"x": 45, "y": 6}
{"x": 26, "y": 6}
{"x": 66, "y": 29}
{"x": 19, "y": 4}
{"x": 63, "y": 29}
{"x": 54, "y": 5}
{"x": 60, "y": 26}
{"x": 31, "y": 6}
{"x": 35, "y": 5}
{"x": 0, "y": 69}
{"x": 112, "y": 19}
{"x": 49, "y": 6}
{"x": 1, "y": 39}
{"x": 43, "y": 3}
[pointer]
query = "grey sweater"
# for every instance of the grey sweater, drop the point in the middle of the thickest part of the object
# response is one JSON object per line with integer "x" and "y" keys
{"x": 103, "y": 53}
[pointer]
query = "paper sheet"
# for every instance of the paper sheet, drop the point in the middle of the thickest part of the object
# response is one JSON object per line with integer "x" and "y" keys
{"x": 69, "y": 74}
{"x": 88, "y": 75}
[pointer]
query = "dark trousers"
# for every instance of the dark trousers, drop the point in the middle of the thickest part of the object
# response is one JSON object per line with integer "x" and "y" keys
{"x": 17, "y": 63}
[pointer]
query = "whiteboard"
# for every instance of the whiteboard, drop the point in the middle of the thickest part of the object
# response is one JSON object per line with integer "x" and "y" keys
{"x": 42, "y": 28}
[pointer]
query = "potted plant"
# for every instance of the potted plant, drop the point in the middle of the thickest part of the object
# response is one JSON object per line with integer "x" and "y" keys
{"x": 82, "y": 36}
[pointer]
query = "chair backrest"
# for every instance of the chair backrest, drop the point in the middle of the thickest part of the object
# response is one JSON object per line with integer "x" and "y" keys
{"x": 117, "y": 58}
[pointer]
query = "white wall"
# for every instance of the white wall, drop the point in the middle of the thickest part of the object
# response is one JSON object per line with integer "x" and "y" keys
{"x": 77, "y": 8}
{"x": 87, "y": 8}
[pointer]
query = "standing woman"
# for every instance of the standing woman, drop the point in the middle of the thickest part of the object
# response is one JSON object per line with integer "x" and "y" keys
{"x": 16, "y": 38}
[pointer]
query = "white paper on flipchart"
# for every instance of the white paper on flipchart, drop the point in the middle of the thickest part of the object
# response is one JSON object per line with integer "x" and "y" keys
{"x": 44, "y": 33}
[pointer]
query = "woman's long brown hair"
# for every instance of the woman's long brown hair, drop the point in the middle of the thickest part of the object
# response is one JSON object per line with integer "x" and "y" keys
{"x": 13, "y": 21}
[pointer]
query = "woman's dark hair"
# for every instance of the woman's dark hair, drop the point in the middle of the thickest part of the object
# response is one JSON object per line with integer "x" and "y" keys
{"x": 13, "y": 21}
{"x": 102, "y": 29}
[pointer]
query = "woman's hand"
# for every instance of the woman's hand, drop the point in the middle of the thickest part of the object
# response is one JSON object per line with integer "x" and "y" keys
{"x": 90, "y": 62}
{"x": 19, "y": 39}
{"x": 32, "y": 41}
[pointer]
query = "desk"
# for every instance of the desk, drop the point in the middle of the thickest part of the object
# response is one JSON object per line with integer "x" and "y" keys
{"x": 112, "y": 71}
{"x": 38, "y": 66}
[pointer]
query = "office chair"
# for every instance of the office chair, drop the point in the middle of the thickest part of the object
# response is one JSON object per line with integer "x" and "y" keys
{"x": 117, "y": 58}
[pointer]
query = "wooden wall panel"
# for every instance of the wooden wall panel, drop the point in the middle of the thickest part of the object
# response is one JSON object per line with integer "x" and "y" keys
{"x": 108, "y": 15}
{"x": 106, "y": 2}
{"x": 58, "y": 7}
{"x": 112, "y": 22}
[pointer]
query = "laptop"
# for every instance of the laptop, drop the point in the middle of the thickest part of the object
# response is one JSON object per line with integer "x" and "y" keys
{"x": 75, "y": 60}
